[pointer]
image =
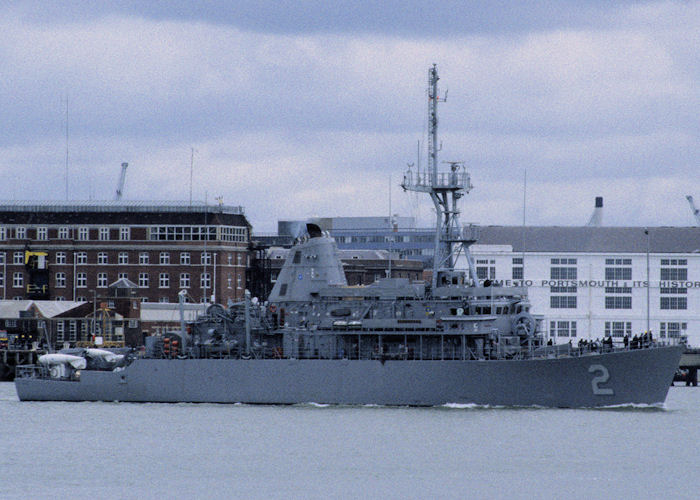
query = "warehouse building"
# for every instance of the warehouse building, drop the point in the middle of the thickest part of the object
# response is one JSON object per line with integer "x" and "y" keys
{"x": 593, "y": 282}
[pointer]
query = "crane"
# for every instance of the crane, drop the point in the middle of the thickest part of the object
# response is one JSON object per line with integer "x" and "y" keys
{"x": 120, "y": 186}
{"x": 695, "y": 210}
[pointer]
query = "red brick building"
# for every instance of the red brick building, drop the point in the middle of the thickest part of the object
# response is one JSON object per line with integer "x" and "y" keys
{"x": 74, "y": 250}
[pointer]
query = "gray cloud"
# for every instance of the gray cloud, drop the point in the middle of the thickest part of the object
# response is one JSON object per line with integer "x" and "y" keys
{"x": 395, "y": 17}
{"x": 300, "y": 113}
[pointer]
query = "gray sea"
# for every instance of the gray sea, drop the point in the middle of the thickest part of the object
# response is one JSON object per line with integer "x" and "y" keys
{"x": 132, "y": 450}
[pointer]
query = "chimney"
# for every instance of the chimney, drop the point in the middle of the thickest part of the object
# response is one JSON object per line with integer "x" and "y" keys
{"x": 597, "y": 217}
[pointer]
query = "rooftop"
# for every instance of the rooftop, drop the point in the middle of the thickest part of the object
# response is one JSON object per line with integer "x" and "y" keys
{"x": 119, "y": 206}
{"x": 662, "y": 239}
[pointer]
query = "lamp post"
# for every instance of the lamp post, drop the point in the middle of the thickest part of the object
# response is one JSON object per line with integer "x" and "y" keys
{"x": 646, "y": 231}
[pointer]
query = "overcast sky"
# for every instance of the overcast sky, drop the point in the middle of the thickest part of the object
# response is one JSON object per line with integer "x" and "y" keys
{"x": 314, "y": 108}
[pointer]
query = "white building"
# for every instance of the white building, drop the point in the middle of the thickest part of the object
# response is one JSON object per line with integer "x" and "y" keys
{"x": 594, "y": 281}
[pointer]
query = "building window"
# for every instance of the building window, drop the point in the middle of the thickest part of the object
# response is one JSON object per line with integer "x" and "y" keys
{"x": 182, "y": 233}
{"x": 163, "y": 300}
{"x": 143, "y": 258}
{"x": 484, "y": 271}
{"x": 2, "y": 280}
{"x": 2, "y": 257}
{"x": 72, "y": 330}
{"x": 164, "y": 280}
{"x": 60, "y": 257}
{"x": 143, "y": 280}
{"x": 18, "y": 258}
{"x": 60, "y": 280}
{"x": 622, "y": 269}
{"x": 102, "y": 258}
{"x": 3, "y": 233}
{"x": 185, "y": 258}
{"x": 60, "y": 331}
{"x": 124, "y": 233}
{"x": 164, "y": 258}
{"x": 59, "y": 299}
{"x": 101, "y": 280}
{"x": 81, "y": 298}
{"x": 673, "y": 330}
{"x": 81, "y": 280}
{"x": 562, "y": 302}
{"x": 123, "y": 258}
{"x": 63, "y": 233}
{"x": 104, "y": 234}
{"x": 123, "y": 276}
{"x": 81, "y": 258}
{"x": 21, "y": 233}
{"x": 42, "y": 233}
{"x": 618, "y": 302}
{"x": 674, "y": 303}
{"x": 205, "y": 281}
{"x": 239, "y": 281}
{"x": 206, "y": 258}
{"x": 561, "y": 269}
{"x": 228, "y": 233}
{"x": 518, "y": 269}
{"x": 562, "y": 328}
{"x": 184, "y": 280}
{"x": 83, "y": 233}
{"x": 618, "y": 328}
{"x": 674, "y": 269}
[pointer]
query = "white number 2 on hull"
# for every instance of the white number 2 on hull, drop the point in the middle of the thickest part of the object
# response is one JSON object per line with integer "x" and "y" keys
{"x": 602, "y": 376}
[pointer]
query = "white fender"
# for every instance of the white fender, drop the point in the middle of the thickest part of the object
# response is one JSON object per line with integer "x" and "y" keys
{"x": 108, "y": 356}
{"x": 59, "y": 359}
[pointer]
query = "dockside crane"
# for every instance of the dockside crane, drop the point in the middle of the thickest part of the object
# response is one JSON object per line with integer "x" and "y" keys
{"x": 120, "y": 186}
{"x": 695, "y": 210}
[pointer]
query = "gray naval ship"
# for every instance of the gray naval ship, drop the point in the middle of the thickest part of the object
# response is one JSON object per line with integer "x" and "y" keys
{"x": 454, "y": 340}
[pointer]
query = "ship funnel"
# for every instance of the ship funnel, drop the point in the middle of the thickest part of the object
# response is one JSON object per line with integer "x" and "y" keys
{"x": 597, "y": 217}
{"x": 314, "y": 230}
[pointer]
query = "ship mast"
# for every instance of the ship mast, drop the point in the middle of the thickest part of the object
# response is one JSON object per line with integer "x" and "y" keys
{"x": 445, "y": 189}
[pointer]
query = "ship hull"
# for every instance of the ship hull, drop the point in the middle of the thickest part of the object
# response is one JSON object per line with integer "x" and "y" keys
{"x": 618, "y": 378}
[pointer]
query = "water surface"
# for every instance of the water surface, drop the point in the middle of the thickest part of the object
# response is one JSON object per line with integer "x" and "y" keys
{"x": 136, "y": 450}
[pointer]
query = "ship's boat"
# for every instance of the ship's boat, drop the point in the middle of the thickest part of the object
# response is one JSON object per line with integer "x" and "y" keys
{"x": 455, "y": 339}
